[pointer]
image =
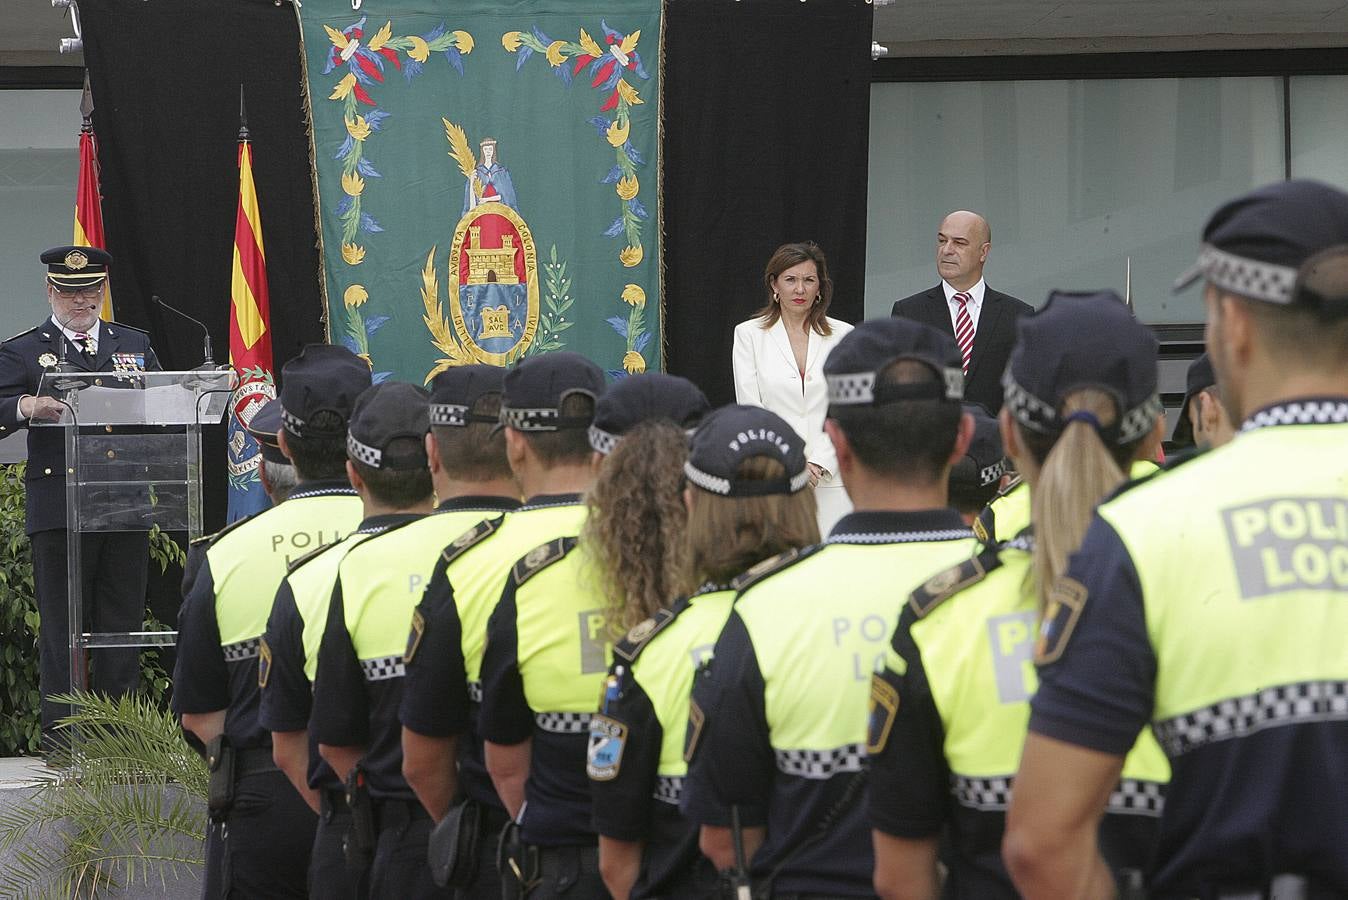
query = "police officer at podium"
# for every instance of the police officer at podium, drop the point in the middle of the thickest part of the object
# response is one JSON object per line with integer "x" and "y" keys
{"x": 114, "y": 562}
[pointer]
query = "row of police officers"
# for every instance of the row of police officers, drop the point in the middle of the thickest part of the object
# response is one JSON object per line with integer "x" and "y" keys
{"x": 411, "y": 677}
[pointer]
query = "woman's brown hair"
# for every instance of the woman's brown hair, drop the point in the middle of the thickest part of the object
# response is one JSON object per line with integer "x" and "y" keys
{"x": 727, "y": 535}
{"x": 636, "y": 523}
{"x": 1077, "y": 471}
{"x": 785, "y": 257}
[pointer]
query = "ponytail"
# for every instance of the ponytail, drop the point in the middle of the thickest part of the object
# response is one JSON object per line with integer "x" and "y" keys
{"x": 1077, "y": 471}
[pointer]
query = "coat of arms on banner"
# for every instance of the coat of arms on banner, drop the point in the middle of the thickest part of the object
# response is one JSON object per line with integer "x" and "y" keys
{"x": 498, "y": 199}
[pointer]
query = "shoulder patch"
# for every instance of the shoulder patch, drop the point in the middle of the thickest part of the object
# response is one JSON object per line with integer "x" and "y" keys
{"x": 263, "y": 663}
{"x": 471, "y": 538}
{"x": 771, "y": 566}
{"x": 604, "y": 755}
{"x": 299, "y": 561}
{"x": 629, "y": 648}
{"x": 415, "y": 635}
{"x": 1065, "y": 602}
{"x": 212, "y": 538}
{"x": 946, "y": 584}
{"x": 884, "y": 709}
{"x": 980, "y": 530}
{"x": 696, "y": 719}
{"x": 539, "y": 558}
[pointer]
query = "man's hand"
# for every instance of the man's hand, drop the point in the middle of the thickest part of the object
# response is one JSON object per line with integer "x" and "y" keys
{"x": 44, "y": 408}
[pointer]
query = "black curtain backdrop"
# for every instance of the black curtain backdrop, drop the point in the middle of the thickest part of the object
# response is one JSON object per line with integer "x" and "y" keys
{"x": 165, "y": 77}
{"x": 767, "y": 113}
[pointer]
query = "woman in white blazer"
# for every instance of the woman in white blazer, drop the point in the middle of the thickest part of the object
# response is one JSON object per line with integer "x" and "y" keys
{"x": 779, "y": 362}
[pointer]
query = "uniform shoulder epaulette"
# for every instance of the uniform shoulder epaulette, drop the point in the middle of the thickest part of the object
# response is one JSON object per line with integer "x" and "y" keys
{"x": 1138, "y": 482}
{"x": 130, "y": 328}
{"x": 946, "y": 584}
{"x": 212, "y": 538}
{"x": 301, "y": 560}
{"x": 471, "y": 538}
{"x": 771, "y": 566}
{"x": 539, "y": 558}
{"x": 20, "y": 334}
{"x": 629, "y": 648}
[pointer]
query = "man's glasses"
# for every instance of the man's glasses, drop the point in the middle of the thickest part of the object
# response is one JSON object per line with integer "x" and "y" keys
{"x": 91, "y": 293}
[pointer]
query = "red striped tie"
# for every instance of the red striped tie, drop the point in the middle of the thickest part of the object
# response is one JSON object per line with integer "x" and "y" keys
{"x": 964, "y": 330}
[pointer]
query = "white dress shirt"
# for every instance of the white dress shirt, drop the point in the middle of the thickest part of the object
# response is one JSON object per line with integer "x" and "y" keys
{"x": 70, "y": 335}
{"x": 974, "y": 304}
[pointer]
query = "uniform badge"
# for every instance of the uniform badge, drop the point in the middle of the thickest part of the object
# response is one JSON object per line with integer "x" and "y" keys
{"x": 47, "y": 360}
{"x": 604, "y": 756}
{"x": 942, "y": 581}
{"x": 415, "y": 636}
{"x": 884, "y": 709}
{"x": 76, "y": 260}
{"x": 980, "y": 530}
{"x": 537, "y": 556}
{"x": 1065, "y": 603}
{"x": 696, "y": 719}
{"x": 263, "y": 663}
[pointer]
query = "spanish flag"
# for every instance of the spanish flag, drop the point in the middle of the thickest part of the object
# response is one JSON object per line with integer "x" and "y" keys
{"x": 249, "y": 343}
{"x": 89, "y": 206}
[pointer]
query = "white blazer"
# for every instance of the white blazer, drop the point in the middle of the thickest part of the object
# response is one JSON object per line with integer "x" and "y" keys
{"x": 766, "y": 375}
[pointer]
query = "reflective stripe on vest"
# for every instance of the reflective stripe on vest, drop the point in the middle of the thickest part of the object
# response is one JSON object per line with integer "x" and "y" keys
{"x": 248, "y": 562}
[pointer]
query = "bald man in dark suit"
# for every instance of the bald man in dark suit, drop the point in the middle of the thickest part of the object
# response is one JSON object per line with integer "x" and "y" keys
{"x": 982, "y": 321}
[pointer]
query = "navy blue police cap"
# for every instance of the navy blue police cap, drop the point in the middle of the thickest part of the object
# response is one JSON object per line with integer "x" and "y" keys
{"x": 734, "y": 433}
{"x": 456, "y": 390}
{"x": 264, "y": 425}
{"x": 1254, "y": 245}
{"x": 1200, "y": 377}
{"x": 73, "y": 268}
{"x": 643, "y": 398}
{"x": 854, "y": 367}
{"x": 323, "y": 378}
{"x": 985, "y": 452}
{"x": 385, "y": 413}
{"x": 1083, "y": 340}
{"x": 534, "y": 389}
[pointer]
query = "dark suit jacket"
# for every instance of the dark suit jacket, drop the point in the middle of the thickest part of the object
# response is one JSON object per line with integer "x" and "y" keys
{"x": 20, "y": 370}
{"x": 993, "y": 340}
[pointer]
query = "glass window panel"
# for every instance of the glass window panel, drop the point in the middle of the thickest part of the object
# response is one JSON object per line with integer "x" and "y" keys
{"x": 1075, "y": 177}
{"x": 1320, "y": 128}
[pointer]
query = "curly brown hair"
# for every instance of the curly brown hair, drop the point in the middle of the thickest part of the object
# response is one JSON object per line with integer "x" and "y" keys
{"x": 636, "y": 522}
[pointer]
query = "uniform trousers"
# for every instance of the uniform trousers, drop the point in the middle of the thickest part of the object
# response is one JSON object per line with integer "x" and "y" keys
{"x": 400, "y": 870}
{"x": 263, "y": 841}
{"x": 114, "y": 567}
{"x": 487, "y": 884}
{"x": 329, "y": 873}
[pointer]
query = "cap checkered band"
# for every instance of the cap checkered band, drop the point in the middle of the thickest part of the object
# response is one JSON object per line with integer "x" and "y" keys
{"x": 668, "y": 789}
{"x": 475, "y": 691}
{"x": 1138, "y": 421}
{"x": 991, "y": 473}
{"x": 899, "y": 537}
{"x": 820, "y": 764}
{"x": 858, "y": 388}
{"x": 723, "y": 486}
{"x": 563, "y": 722}
{"x": 1137, "y": 798}
{"x": 449, "y": 414}
{"x": 991, "y": 794}
{"x": 1315, "y": 412}
{"x": 242, "y": 650}
{"x": 1288, "y": 704}
{"x": 1247, "y": 277}
{"x": 363, "y": 453}
{"x": 1038, "y": 416}
{"x": 383, "y": 668}
{"x": 602, "y": 441}
{"x": 293, "y": 423}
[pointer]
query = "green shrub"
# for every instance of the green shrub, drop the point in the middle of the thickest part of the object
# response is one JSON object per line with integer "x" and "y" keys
{"x": 20, "y": 702}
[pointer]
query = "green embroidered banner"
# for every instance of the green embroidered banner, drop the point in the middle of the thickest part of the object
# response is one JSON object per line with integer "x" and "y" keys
{"x": 488, "y": 179}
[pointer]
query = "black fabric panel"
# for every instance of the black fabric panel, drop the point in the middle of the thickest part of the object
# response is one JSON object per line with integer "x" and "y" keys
{"x": 165, "y": 79}
{"x": 767, "y": 115}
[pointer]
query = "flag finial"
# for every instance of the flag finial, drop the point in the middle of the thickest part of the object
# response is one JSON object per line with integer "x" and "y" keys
{"x": 243, "y": 117}
{"x": 87, "y": 105}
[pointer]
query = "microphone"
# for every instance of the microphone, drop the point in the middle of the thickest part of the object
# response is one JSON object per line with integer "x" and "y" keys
{"x": 63, "y": 367}
{"x": 205, "y": 332}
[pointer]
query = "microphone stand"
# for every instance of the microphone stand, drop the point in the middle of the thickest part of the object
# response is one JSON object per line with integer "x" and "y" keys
{"x": 209, "y": 362}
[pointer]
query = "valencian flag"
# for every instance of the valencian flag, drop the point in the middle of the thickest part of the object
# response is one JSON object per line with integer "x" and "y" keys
{"x": 88, "y": 198}
{"x": 249, "y": 344}
{"x": 488, "y": 179}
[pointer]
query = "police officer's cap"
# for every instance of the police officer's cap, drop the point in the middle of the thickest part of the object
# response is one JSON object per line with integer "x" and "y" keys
{"x": 734, "y": 433}
{"x": 985, "y": 452}
{"x": 323, "y": 378}
{"x": 1254, "y": 244}
{"x": 264, "y": 425}
{"x": 854, "y": 368}
{"x": 535, "y": 389}
{"x": 73, "y": 268}
{"x": 1083, "y": 340}
{"x": 455, "y": 391}
{"x": 643, "y": 398}
{"x": 385, "y": 413}
{"x": 1200, "y": 377}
